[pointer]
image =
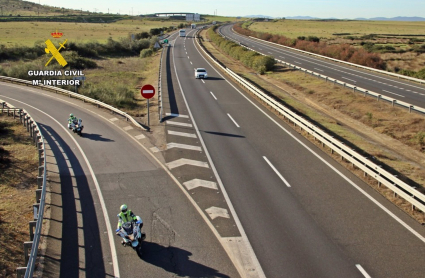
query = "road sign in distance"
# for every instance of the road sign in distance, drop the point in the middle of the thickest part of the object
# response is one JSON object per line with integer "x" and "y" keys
{"x": 147, "y": 91}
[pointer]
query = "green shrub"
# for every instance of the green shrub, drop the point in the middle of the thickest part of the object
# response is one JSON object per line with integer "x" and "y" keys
{"x": 146, "y": 53}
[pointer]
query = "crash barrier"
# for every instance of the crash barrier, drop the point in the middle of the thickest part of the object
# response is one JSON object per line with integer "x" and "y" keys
{"x": 365, "y": 92}
{"x": 159, "y": 87}
{"x": 31, "y": 246}
{"x": 73, "y": 95}
{"x": 369, "y": 168}
{"x": 400, "y": 76}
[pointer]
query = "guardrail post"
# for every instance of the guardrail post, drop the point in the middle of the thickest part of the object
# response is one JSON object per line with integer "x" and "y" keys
{"x": 37, "y": 139}
{"x": 354, "y": 89}
{"x": 40, "y": 157}
{"x": 35, "y": 208}
{"x": 20, "y": 271}
{"x": 365, "y": 93}
{"x": 14, "y": 113}
{"x": 35, "y": 135}
{"x": 392, "y": 102}
{"x": 40, "y": 170}
{"x": 39, "y": 182}
{"x": 378, "y": 97}
{"x": 3, "y": 105}
{"x": 27, "y": 247}
{"x": 38, "y": 195}
{"x": 20, "y": 115}
{"x": 32, "y": 225}
{"x": 410, "y": 108}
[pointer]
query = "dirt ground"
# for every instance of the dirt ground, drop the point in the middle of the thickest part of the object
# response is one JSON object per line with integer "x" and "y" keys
{"x": 391, "y": 136}
{"x": 18, "y": 181}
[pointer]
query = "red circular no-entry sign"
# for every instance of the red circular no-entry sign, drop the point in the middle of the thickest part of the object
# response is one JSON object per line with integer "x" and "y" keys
{"x": 147, "y": 91}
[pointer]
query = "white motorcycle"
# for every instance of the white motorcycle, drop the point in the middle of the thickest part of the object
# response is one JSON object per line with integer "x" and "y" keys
{"x": 76, "y": 126}
{"x": 132, "y": 235}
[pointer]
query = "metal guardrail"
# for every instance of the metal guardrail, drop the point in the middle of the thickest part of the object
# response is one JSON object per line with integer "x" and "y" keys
{"x": 74, "y": 95}
{"x": 40, "y": 193}
{"x": 404, "y": 190}
{"x": 365, "y": 92}
{"x": 160, "y": 104}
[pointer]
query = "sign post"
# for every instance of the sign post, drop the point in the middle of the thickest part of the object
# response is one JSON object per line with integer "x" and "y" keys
{"x": 147, "y": 91}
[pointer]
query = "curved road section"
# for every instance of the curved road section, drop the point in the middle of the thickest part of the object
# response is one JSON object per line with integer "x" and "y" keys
{"x": 400, "y": 89}
{"x": 304, "y": 214}
{"x": 91, "y": 176}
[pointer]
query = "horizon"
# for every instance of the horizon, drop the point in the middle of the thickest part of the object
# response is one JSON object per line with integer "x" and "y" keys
{"x": 342, "y": 9}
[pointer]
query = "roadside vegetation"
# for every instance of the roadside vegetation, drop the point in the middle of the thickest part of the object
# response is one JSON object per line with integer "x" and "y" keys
{"x": 18, "y": 181}
{"x": 249, "y": 58}
{"x": 390, "y": 136}
{"x": 394, "y": 46}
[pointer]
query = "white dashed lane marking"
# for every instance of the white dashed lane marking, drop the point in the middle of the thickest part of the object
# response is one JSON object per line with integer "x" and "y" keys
{"x": 277, "y": 172}
{"x": 233, "y": 120}
{"x": 140, "y": 136}
{"x": 128, "y": 128}
{"x": 393, "y": 93}
{"x": 203, "y": 81}
{"x": 213, "y": 95}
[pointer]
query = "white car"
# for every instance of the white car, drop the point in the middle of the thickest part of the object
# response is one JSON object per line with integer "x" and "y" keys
{"x": 201, "y": 73}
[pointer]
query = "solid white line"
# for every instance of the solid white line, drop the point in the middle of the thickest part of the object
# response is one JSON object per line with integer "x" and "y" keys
{"x": 176, "y": 115}
{"x": 184, "y": 134}
{"x": 349, "y": 79}
{"x": 203, "y": 81}
{"x": 392, "y": 93}
{"x": 277, "y": 172}
{"x": 213, "y": 95}
{"x": 365, "y": 274}
{"x": 401, "y": 222}
{"x": 99, "y": 192}
{"x": 233, "y": 120}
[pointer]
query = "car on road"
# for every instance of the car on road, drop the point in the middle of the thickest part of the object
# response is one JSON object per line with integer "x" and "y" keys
{"x": 201, "y": 73}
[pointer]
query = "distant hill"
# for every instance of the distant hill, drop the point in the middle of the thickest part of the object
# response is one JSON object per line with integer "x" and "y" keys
{"x": 398, "y": 18}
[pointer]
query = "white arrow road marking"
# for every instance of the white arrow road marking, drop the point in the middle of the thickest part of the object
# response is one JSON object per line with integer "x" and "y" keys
{"x": 183, "y": 146}
{"x": 113, "y": 119}
{"x": 128, "y": 128}
{"x": 184, "y": 134}
{"x": 176, "y": 115}
{"x": 200, "y": 183}
{"x": 185, "y": 161}
{"x": 215, "y": 212}
{"x": 140, "y": 136}
{"x": 177, "y": 123}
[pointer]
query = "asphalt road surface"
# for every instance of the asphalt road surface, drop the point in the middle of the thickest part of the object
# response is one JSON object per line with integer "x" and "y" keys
{"x": 314, "y": 219}
{"x": 403, "y": 90}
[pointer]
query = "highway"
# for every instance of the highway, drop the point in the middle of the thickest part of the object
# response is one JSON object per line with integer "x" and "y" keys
{"x": 178, "y": 242}
{"x": 303, "y": 214}
{"x": 314, "y": 218}
{"x": 399, "y": 89}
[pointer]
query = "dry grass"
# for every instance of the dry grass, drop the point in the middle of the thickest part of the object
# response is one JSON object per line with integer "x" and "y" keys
{"x": 294, "y": 28}
{"x": 28, "y": 33}
{"x": 362, "y": 122}
{"x": 408, "y": 61}
{"x": 17, "y": 193}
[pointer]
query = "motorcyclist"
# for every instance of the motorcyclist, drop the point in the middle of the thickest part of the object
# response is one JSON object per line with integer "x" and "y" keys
{"x": 126, "y": 215}
{"x": 72, "y": 120}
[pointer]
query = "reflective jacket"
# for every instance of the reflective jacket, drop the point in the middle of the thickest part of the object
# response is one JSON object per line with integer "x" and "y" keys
{"x": 126, "y": 217}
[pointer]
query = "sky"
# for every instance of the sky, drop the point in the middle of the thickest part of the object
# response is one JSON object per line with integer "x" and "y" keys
{"x": 274, "y": 8}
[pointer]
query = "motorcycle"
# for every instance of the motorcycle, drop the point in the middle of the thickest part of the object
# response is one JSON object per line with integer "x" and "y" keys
{"x": 132, "y": 235}
{"x": 77, "y": 127}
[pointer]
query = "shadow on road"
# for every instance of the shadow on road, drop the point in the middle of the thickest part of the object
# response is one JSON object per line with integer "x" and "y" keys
{"x": 224, "y": 134}
{"x": 214, "y": 78}
{"x": 171, "y": 93}
{"x": 65, "y": 250}
{"x": 176, "y": 260}
{"x": 96, "y": 137}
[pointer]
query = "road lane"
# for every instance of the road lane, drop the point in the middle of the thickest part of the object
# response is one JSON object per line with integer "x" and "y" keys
{"x": 322, "y": 203}
{"x": 178, "y": 240}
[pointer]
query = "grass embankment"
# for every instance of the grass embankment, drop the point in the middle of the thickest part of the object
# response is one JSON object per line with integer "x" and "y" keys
{"x": 115, "y": 70}
{"x": 401, "y": 45}
{"x": 18, "y": 181}
{"x": 360, "y": 122}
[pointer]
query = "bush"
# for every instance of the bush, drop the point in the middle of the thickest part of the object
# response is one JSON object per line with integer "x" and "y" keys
{"x": 77, "y": 62}
{"x": 146, "y": 53}
{"x": 117, "y": 95}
